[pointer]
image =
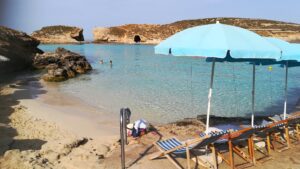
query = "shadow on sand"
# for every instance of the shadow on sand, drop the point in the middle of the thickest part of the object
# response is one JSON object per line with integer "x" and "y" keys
{"x": 26, "y": 88}
{"x": 277, "y": 107}
{"x": 146, "y": 149}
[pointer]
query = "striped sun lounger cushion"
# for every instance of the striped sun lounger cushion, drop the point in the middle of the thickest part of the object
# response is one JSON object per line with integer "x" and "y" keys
{"x": 216, "y": 133}
{"x": 279, "y": 125}
{"x": 213, "y": 133}
{"x": 274, "y": 128}
{"x": 173, "y": 142}
{"x": 259, "y": 126}
{"x": 170, "y": 144}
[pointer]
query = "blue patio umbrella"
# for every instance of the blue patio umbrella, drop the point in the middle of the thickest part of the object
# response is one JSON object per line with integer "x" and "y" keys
{"x": 220, "y": 42}
{"x": 290, "y": 57}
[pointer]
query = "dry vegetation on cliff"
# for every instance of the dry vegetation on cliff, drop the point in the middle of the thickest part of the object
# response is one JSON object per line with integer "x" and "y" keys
{"x": 59, "y": 34}
{"x": 150, "y": 33}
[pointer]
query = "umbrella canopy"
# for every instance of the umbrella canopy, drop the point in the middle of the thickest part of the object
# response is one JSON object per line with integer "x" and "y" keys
{"x": 3, "y": 59}
{"x": 290, "y": 52}
{"x": 294, "y": 53}
{"x": 290, "y": 57}
{"x": 219, "y": 41}
{"x": 215, "y": 40}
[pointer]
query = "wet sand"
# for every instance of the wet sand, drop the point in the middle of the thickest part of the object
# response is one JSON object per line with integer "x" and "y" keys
{"x": 72, "y": 113}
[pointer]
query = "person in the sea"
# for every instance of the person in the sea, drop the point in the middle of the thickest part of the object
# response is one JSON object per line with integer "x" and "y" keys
{"x": 110, "y": 62}
{"x": 101, "y": 61}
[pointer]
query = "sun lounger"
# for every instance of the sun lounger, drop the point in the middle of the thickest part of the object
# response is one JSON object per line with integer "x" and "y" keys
{"x": 274, "y": 132}
{"x": 170, "y": 147}
{"x": 265, "y": 136}
{"x": 280, "y": 117}
{"x": 293, "y": 125}
{"x": 235, "y": 139}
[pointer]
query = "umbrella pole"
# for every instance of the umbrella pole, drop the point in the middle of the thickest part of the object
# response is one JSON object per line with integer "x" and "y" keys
{"x": 286, "y": 82}
{"x": 210, "y": 94}
{"x": 253, "y": 95}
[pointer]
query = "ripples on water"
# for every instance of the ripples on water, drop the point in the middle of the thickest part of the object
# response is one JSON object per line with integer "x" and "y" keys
{"x": 167, "y": 88}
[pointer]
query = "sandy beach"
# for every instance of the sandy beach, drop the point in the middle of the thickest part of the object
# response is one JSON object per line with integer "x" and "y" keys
{"x": 52, "y": 130}
{"x": 44, "y": 128}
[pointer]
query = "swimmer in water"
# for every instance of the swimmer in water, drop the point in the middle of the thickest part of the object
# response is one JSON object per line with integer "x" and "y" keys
{"x": 110, "y": 63}
{"x": 101, "y": 61}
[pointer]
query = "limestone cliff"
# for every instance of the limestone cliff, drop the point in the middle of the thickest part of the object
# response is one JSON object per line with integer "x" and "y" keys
{"x": 19, "y": 48}
{"x": 59, "y": 34}
{"x": 152, "y": 34}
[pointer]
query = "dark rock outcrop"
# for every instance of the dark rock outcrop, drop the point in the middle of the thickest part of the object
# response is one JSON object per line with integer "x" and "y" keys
{"x": 61, "y": 64}
{"x": 219, "y": 120}
{"x": 153, "y": 33}
{"x": 19, "y": 48}
{"x": 59, "y": 34}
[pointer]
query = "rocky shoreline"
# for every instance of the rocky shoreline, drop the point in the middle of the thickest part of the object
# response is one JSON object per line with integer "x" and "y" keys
{"x": 19, "y": 48}
{"x": 23, "y": 53}
{"x": 61, "y": 64}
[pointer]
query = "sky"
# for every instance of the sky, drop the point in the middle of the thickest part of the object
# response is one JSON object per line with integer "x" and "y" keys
{"x": 31, "y": 15}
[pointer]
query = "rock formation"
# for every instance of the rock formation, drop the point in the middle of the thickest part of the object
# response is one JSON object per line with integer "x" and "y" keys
{"x": 153, "y": 34}
{"x": 19, "y": 48}
{"x": 143, "y": 33}
{"x": 61, "y": 64}
{"x": 59, "y": 34}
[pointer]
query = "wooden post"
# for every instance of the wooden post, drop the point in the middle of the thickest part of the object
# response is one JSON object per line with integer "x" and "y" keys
{"x": 214, "y": 156}
{"x": 298, "y": 131}
{"x": 249, "y": 148}
{"x": 287, "y": 136}
{"x": 188, "y": 157}
{"x": 173, "y": 161}
{"x": 252, "y": 150}
{"x": 231, "y": 154}
{"x": 268, "y": 144}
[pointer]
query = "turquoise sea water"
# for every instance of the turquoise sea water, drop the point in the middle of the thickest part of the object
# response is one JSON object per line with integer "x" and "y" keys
{"x": 167, "y": 88}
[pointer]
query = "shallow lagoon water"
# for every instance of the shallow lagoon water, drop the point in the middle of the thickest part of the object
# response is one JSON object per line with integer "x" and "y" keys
{"x": 166, "y": 88}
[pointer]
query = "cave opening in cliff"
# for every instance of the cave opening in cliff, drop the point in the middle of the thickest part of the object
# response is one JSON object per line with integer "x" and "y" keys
{"x": 137, "y": 39}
